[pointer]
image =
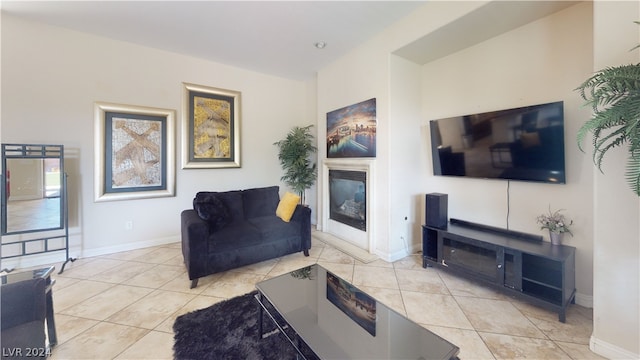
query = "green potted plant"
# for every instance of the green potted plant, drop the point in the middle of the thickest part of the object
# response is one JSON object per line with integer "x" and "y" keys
{"x": 294, "y": 152}
{"x": 614, "y": 95}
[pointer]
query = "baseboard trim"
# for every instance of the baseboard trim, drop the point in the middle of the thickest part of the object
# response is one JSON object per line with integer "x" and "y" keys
{"x": 130, "y": 246}
{"x": 395, "y": 256}
{"x": 609, "y": 350}
{"x": 584, "y": 300}
{"x": 58, "y": 256}
{"x": 344, "y": 246}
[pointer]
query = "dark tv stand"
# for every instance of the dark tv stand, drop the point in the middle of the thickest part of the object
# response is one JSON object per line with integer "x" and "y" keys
{"x": 520, "y": 264}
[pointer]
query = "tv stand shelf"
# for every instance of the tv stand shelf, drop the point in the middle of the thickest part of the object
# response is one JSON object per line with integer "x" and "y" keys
{"x": 520, "y": 264}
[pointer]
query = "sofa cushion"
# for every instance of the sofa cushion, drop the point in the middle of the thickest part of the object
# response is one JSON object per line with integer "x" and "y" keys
{"x": 273, "y": 228}
{"x": 260, "y": 201}
{"x": 233, "y": 201}
{"x": 212, "y": 209}
{"x": 234, "y": 236}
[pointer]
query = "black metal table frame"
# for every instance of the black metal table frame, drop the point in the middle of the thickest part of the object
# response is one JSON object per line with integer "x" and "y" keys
{"x": 260, "y": 298}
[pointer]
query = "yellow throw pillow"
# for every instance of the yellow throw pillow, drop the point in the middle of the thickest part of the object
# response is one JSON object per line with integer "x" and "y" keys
{"x": 287, "y": 206}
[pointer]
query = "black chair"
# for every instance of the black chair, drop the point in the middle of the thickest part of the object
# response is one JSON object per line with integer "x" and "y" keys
{"x": 23, "y": 319}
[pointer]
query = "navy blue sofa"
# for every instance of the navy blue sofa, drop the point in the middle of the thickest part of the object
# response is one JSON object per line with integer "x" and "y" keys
{"x": 230, "y": 229}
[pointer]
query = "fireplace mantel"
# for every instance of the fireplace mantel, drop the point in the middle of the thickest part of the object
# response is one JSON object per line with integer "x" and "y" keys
{"x": 364, "y": 239}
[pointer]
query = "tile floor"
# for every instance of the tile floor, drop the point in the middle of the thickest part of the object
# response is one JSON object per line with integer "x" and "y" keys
{"x": 123, "y": 305}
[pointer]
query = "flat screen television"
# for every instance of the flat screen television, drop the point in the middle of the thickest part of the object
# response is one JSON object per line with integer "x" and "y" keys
{"x": 524, "y": 144}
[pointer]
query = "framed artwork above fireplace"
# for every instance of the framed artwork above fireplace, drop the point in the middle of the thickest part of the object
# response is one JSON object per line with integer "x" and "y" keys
{"x": 351, "y": 131}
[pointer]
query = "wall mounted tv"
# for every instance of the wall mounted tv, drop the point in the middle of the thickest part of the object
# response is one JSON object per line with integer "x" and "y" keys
{"x": 525, "y": 144}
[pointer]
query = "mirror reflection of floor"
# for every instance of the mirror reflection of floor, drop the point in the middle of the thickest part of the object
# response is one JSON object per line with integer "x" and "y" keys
{"x": 36, "y": 214}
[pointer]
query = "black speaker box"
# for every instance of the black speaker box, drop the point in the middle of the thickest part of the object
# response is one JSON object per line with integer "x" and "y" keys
{"x": 436, "y": 210}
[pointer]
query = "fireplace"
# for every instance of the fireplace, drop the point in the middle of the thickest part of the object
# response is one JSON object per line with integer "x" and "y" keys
{"x": 347, "y": 204}
{"x": 347, "y": 198}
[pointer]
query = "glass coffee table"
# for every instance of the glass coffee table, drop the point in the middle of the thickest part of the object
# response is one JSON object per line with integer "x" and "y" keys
{"x": 318, "y": 311}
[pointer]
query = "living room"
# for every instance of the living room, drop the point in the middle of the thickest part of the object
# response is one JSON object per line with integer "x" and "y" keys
{"x": 51, "y": 78}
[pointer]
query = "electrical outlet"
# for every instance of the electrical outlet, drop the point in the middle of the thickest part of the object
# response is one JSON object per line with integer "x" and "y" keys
{"x": 128, "y": 225}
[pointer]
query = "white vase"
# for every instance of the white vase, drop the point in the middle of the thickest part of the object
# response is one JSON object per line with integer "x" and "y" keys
{"x": 556, "y": 238}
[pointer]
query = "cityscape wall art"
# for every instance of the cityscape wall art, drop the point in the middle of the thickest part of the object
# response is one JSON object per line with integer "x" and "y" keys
{"x": 351, "y": 131}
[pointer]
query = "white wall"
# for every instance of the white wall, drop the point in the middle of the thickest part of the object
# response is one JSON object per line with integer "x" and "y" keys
{"x": 405, "y": 143}
{"x": 616, "y": 303}
{"x": 340, "y": 85}
{"x": 51, "y": 78}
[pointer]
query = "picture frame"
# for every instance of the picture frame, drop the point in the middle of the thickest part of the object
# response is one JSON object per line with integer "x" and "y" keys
{"x": 352, "y": 131}
{"x": 210, "y": 127}
{"x": 134, "y": 152}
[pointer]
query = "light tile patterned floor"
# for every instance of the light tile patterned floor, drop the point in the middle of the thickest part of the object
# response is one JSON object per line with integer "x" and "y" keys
{"x": 123, "y": 305}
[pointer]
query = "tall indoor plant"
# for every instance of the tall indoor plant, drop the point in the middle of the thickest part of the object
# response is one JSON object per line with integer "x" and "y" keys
{"x": 614, "y": 95}
{"x": 294, "y": 153}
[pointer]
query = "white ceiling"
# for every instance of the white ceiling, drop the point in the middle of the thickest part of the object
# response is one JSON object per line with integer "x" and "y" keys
{"x": 276, "y": 37}
{"x": 273, "y": 37}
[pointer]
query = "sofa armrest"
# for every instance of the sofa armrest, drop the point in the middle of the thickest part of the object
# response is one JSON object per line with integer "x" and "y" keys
{"x": 302, "y": 215}
{"x": 195, "y": 236}
{"x": 23, "y": 302}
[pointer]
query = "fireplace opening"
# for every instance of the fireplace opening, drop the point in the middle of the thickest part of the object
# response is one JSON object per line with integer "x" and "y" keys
{"x": 347, "y": 198}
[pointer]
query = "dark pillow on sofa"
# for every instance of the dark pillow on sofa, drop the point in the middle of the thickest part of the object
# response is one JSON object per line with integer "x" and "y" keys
{"x": 233, "y": 200}
{"x": 260, "y": 201}
{"x": 211, "y": 209}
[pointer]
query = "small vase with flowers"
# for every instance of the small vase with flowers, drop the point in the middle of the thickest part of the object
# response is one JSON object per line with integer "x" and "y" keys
{"x": 556, "y": 223}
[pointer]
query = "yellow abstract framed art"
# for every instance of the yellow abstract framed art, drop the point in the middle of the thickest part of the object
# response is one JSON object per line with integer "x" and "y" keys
{"x": 210, "y": 128}
{"x": 134, "y": 152}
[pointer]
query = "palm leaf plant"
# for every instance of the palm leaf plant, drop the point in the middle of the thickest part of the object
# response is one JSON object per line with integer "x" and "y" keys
{"x": 614, "y": 95}
{"x": 294, "y": 154}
